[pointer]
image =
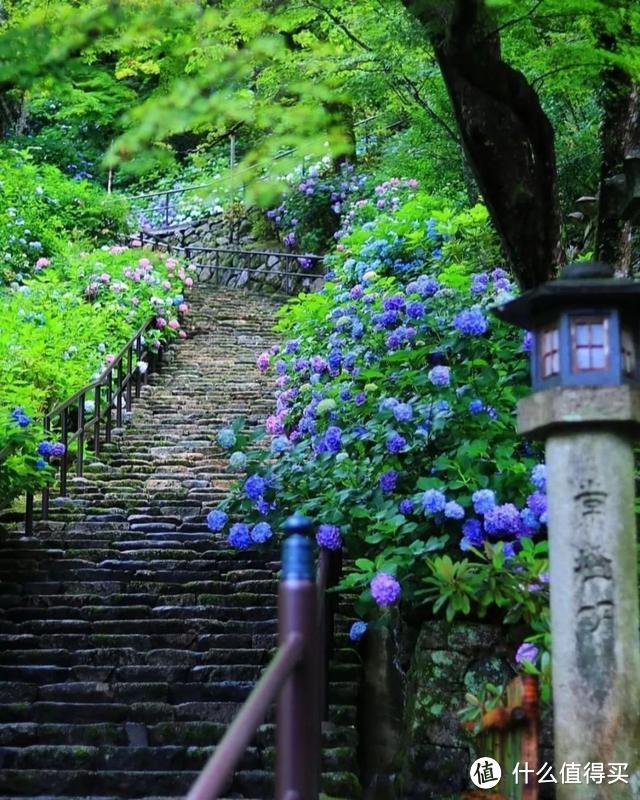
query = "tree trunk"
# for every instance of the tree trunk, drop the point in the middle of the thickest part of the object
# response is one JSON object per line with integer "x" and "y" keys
{"x": 619, "y": 135}
{"x": 507, "y": 137}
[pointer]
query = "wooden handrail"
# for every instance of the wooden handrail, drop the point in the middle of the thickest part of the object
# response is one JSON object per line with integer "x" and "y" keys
{"x": 297, "y": 675}
{"x": 75, "y": 429}
{"x": 219, "y": 770}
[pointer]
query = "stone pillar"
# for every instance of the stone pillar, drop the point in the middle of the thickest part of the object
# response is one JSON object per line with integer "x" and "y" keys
{"x": 593, "y": 582}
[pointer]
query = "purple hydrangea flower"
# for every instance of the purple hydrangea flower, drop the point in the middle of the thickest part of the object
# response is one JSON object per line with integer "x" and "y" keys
{"x": 471, "y": 322}
{"x": 360, "y": 399}
{"x": 453, "y": 510}
{"x": 254, "y": 487}
{"x": 388, "y": 480}
{"x": 504, "y": 519}
{"x": 358, "y": 630}
{"x": 292, "y": 346}
{"x": 440, "y": 376}
{"x": 263, "y": 361}
{"x": 281, "y": 367}
{"x": 356, "y": 292}
{"x": 318, "y": 364}
{"x": 395, "y": 303}
{"x": 433, "y": 501}
{"x": 216, "y": 520}
{"x": 527, "y": 342}
{"x": 239, "y": 536}
{"x": 396, "y": 443}
{"x": 537, "y": 502}
{"x": 483, "y": 500}
{"x": 526, "y": 652}
{"x": 261, "y": 532}
{"x": 406, "y": 507}
{"x": 58, "y": 450}
{"x": 328, "y": 536}
{"x": 385, "y": 589}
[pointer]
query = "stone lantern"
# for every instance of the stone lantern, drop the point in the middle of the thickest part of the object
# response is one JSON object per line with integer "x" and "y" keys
{"x": 586, "y": 405}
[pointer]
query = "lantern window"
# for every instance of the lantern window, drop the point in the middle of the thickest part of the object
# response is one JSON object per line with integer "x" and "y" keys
{"x": 550, "y": 352}
{"x": 590, "y": 344}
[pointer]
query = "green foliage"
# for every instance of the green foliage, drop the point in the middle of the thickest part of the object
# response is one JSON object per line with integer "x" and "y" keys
{"x": 41, "y": 210}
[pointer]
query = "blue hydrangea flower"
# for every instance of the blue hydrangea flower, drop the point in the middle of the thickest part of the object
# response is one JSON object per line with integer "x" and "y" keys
{"x": 216, "y": 520}
{"x": 440, "y": 376}
{"x": 483, "y": 500}
{"x": 360, "y": 399}
{"x": 479, "y": 283}
{"x": 254, "y": 487}
{"x": 292, "y": 346}
{"x": 237, "y": 461}
{"x": 509, "y": 549}
{"x": 41, "y": 463}
{"x": 433, "y": 501}
{"x": 473, "y": 534}
{"x": 226, "y": 438}
{"x": 416, "y": 310}
{"x": 471, "y": 322}
{"x": 261, "y": 532}
{"x": 239, "y": 536}
{"x": 388, "y": 481}
{"x": 279, "y": 445}
{"x": 395, "y": 303}
{"x": 403, "y": 412}
{"x": 539, "y": 477}
{"x": 530, "y": 520}
{"x": 21, "y": 418}
{"x": 406, "y": 507}
{"x": 396, "y": 443}
{"x": 358, "y": 630}
{"x": 453, "y": 510}
{"x": 476, "y": 406}
{"x": 44, "y": 449}
{"x": 333, "y": 439}
{"x": 328, "y": 536}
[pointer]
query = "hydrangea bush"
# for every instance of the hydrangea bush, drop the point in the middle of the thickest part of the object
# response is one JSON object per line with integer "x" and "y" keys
{"x": 393, "y": 424}
{"x": 41, "y": 209}
{"x": 61, "y": 328}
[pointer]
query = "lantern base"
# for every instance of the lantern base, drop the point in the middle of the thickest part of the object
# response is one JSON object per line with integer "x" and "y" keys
{"x": 544, "y": 412}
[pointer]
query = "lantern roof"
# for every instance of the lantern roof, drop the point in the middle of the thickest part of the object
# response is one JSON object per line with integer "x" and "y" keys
{"x": 589, "y": 284}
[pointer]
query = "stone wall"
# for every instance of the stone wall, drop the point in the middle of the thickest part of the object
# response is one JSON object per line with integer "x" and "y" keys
{"x": 263, "y": 270}
{"x": 415, "y": 680}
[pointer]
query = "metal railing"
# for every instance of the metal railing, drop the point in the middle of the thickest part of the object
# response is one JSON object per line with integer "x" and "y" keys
{"x": 114, "y": 389}
{"x": 253, "y": 262}
{"x": 297, "y": 677}
{"x": 234, "y": 172}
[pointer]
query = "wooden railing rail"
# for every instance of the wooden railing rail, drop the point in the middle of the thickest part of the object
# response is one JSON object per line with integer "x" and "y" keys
{"x": 114, "y": 389}
{"x": 297, "y": 676}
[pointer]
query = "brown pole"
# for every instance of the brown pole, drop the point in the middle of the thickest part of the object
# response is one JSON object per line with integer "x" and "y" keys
{"x": 298, "y": 741}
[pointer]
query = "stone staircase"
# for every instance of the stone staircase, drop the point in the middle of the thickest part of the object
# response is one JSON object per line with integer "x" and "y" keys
{"x": 130, "y": 635}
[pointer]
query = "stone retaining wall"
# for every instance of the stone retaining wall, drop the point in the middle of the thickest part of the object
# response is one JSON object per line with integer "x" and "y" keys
{"x": 262, "y": 271}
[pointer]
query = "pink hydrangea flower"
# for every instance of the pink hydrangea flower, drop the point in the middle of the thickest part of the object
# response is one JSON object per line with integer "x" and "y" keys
{"x": 183, "y": 308}
{"x": 109, "y": 358}
{"x": 174, "y": 324}
{"x": 171, "y": 263}
{"x": 166, "y": 285}
{"x": 183, "y": 334}
{"x": 42, "y": 262}
{"x": 144, "y": 263}
{"x": 188, "y": 282}
{"x": 105, "y": 277}
{"x": 135, "y": 301}
{"x": 136, "y": 243}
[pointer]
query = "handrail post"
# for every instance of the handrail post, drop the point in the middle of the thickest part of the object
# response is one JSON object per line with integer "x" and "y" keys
{"x": 298, "y": 738}
{"x": 64, "y": 435}
{"x": 96, "y": 421}
{"x": 80, "y": 451}
{"x": 28, "y": 515}
{"x": 45, "y": 489}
